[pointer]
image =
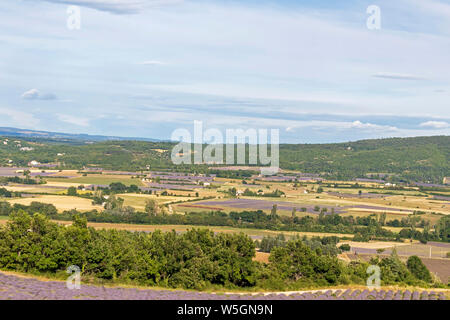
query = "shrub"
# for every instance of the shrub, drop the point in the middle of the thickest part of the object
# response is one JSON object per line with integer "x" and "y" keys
{"x": 418, "y": 269}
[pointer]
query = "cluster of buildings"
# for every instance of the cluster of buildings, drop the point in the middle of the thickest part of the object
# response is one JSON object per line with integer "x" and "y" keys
{"x": 36, "y": 164}
{"x": 18, "y": 144}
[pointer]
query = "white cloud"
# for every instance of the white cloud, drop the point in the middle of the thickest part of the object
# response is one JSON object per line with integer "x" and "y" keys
{"x": 289, "y": 129}
{"x": 360, "y": 125}
{"x": 318, "y": 58}
{"x": 435, "y": 124}
{"x": 396, "y": 76}
{"x": 117, "y": 6}
{"x": 17, "y": 118}
{"x": 78, "y": 121}
{"x": 291, "y": 125}
{"x": 31, "y": 94}
{"x": 35, "y": 94}
{"x": 152, "y": 63}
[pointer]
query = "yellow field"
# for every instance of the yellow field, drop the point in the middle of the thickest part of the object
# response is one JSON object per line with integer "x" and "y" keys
{"x": 138, "y": 201}
{"x": 98, "y": 179}
{"x": 408, "y": 203}
{"x": 60, "y": 202}
{"x": 375, "y": 244}
{"x": 32, "y": 189}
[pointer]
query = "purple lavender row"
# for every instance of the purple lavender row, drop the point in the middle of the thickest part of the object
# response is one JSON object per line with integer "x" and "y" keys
{"x": 18, "y": 288}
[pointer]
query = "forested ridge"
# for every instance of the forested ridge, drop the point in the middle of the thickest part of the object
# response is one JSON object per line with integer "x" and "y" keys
{"x": 421, "y": 159}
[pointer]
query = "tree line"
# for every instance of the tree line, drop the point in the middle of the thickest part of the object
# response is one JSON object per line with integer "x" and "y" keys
{"x": 363, "y": 228}
{"x": 196, "y": 259}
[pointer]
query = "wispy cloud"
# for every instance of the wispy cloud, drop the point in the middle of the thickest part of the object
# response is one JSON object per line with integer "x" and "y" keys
{"x": 117, "y": 6}
{"x": 78, "y": 121}
{"x": 152, "y": 63}
{"x": 235, "y": 63}
{"x": 435, "y": 124}
{"x": 397, "y": 76}
{"x": 341, "y": 125}
{"x": 17, "y": 118}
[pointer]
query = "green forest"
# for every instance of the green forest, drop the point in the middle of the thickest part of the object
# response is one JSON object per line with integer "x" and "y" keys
{"x": 421, "y": 159}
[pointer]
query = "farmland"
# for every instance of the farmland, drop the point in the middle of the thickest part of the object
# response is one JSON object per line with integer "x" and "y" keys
{"x": 374, "y": 217}
{"x": 425, "y": 157}
{"x": 60, "y": 202}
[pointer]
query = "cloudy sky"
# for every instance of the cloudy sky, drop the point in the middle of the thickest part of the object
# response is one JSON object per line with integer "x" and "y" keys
{"x": 143, "y": 68}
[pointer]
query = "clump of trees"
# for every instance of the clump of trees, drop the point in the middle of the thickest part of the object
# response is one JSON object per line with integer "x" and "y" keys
{"x": 418, "y": 269}
{"x": 393, "y": 270}
{"x": 25, "y": 180}
{"x": 326, "y": 245}
{"x": 196, "y": 259}
{"x": 5, "y": 193}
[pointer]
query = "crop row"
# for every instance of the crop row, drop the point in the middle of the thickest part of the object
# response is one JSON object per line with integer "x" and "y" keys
{"x": 18, "y": 288}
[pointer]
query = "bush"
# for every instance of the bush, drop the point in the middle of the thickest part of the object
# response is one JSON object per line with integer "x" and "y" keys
{"x": 418, "y": 269}
{"x": 72, "y": 191}
{"x": 296, "y": 261}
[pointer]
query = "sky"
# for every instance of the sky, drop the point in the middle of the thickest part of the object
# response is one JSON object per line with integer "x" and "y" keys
{"x": 144, "y": 68}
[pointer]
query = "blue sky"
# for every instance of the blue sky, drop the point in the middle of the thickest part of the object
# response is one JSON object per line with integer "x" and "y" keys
{"x": 147, "y": 67}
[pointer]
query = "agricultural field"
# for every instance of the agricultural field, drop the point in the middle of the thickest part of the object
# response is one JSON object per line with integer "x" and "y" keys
{"x": 138, "y": 201}
{"x": 14, "y": 287}
{"x": 61, "y": 202}
{"x": 367, "y": 199}
{"x": 188, "y": 194}
{"x": 98, "y": 179}
{"x": 431, "y": 249}
{"x": 312, "y": 205}
{"x": 255, "y": 234}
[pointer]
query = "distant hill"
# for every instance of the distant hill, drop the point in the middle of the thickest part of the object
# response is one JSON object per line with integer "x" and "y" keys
{"x": 26, "y": 133}
{"x": 418, "y": 159}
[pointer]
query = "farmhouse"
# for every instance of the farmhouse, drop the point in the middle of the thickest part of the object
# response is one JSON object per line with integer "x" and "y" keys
{"x": 33, "y": 163}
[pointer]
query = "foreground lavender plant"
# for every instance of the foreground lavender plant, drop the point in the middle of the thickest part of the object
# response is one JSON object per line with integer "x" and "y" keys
{"x": 17, "y": 288}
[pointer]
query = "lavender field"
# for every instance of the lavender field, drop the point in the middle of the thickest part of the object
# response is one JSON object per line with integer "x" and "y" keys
{"x": 18, "y": 288}
{"x": 257, "y": 204}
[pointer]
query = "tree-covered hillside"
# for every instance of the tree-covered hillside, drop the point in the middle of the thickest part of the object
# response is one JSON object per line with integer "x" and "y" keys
{"x": 413, "y": 159}
{"x": 417, "y": 159}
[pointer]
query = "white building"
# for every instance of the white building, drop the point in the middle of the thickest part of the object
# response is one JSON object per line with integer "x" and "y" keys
{"x": 33, "y": 163}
